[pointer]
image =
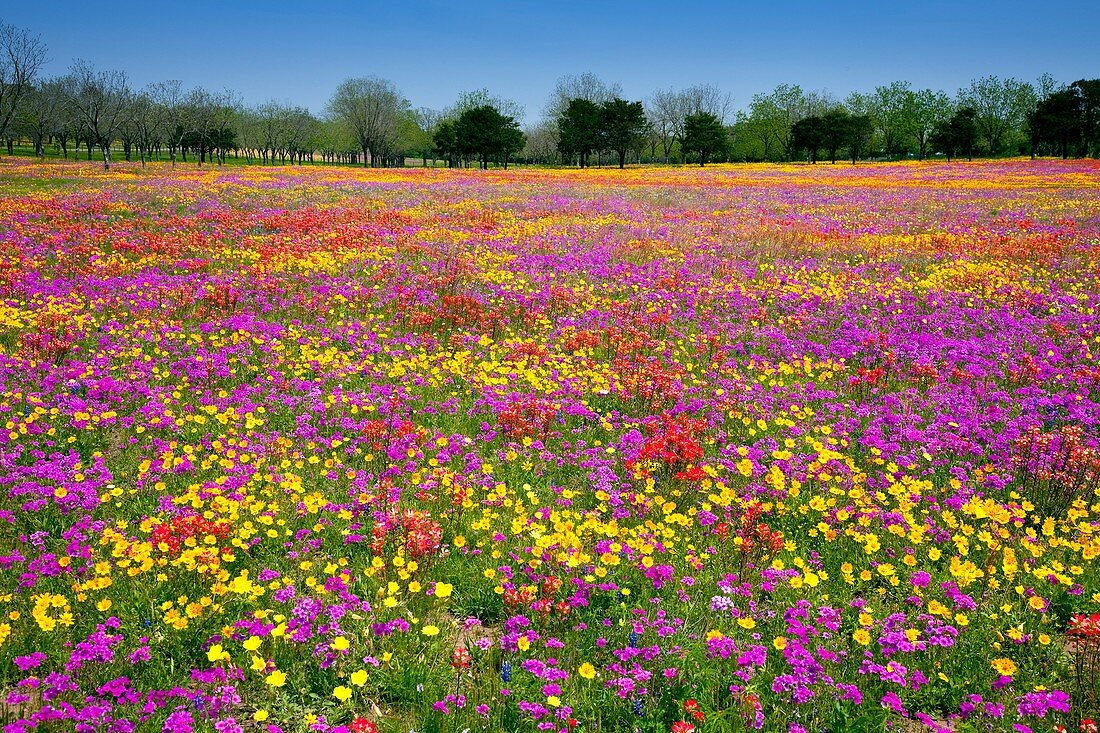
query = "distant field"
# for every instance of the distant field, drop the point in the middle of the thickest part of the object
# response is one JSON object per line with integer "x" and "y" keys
{"x": 799, "y": 448}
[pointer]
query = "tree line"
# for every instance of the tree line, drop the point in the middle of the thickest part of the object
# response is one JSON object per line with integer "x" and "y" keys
{"x": 368, "y": 121}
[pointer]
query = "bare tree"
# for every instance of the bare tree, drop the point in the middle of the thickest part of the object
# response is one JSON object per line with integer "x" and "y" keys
{"x": 101, "y": 100}
{"x": 263, "y": 129}
{"x": 21, "y": 57}
{"x": 482, "y": 98}
{"x": 148, "y": 124}
{"x": 666, "y": 112}
{"x": 581, "y": 86}
{"x": 42, "y": 114}
{"x": 299, "y": 128}
{"x": 211, "y": 116}
{"x": 371, "y": 109}
{"x": 176, "y": 122}
{"x": 541, "y": 142}
{"x": 707, "y": 99}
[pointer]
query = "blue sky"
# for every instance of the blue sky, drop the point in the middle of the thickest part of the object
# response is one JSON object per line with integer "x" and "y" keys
{"x": 433, "y": 49}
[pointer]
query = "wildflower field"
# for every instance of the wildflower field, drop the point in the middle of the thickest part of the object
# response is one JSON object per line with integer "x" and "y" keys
{"x": 802, "y": 448}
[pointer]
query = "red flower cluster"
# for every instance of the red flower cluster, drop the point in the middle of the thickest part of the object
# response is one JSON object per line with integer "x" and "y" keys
{"x": 51, "y": 341}
{"x": 460, "y": 658}
{"x": 1085, "y": 627}
{"x": 1054, "y": 469}
{"x": 696, "y": 713}
{"x": 675, "y": 443}
{"x": 646, "y": 380}
{"x": 756, "y": 536}
{"x": 420, "y": 534}
{"x": 169, "y": 537}
{"x": 867, "y": 376}
{"x": 379, "y": 433}
{"x": 363, "y": 725}
{"x": 527, "y": 417}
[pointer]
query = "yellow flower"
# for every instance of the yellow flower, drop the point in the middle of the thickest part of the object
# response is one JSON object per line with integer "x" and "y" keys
{"x": 587, "y": 671}
{"x": 443, "y": 590}
{"x": 252, "y": 643}
{"x": 523, "y": 643}
{"x": 862, "y": 637}
{"x": 780, "y": 643}
{"x": 341, "y": 693}
{"x": 259, "y": 664}
{"x": 1037, "y": 603}
{"x": 259, "y": 716}
{"x": 1004, "y": 666}
{"x": 553, "y": 701}
{"x": 746, "y": 623}
{"x": 430, "y": 630}
{"x": 359, "y": 678}
{"x": 276, "y": 679}
{"x": 103, "y": 605}
{"x": 340, "y": 644}
{"x": 217, "y": 654}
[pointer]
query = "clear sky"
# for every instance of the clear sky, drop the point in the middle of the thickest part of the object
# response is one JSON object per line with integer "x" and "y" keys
{"x": 434, "y": 49}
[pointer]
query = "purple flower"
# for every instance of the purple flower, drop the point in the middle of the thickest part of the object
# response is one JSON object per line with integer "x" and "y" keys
{"x": 30, "y": 661}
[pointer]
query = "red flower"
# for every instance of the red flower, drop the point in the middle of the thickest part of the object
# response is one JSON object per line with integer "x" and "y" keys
{"x": 691, "y": 705}
{"x": 362, "y": 725}
{"x": 682, "y": 726}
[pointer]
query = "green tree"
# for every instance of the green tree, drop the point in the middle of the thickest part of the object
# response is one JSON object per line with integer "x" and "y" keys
{"x": 929, "y": 109}
{"x": 485, "y": 132}
{"x": 956, "y": 136}
{"x": 705, "y": 135}
{"x": 860, "y": 130}
{"x": 622, "y": 125}
{"x": 579, "y": 129}
{"x": 892, "y": 108}
{"x": 371, "y": 109}
{"x": 1000, "y": 107}
{"x": 1089, "y": 92}
{"x": 445, "y": 142}
{"x": 809, "y": 134}
{"x": 1057, "y": 121}
{"x": 835, "y": 126}
{"x": 774, "y": 114}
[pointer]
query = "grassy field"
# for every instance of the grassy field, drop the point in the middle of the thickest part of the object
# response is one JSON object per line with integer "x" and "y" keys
{"x": 797, "y": 448}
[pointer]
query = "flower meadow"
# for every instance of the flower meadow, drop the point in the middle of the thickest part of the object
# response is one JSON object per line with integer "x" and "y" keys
{"x": 794, "y": 448}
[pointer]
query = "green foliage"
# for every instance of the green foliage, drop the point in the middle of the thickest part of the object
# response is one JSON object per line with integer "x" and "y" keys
{"x": 579, "y": 129}
{"x": 809, "y": 135}
{"x": 622, "y": 125}
{"x": 705, "y": 136}
{"x": 957, "y": 135}
{"x": 485, "y": 132}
